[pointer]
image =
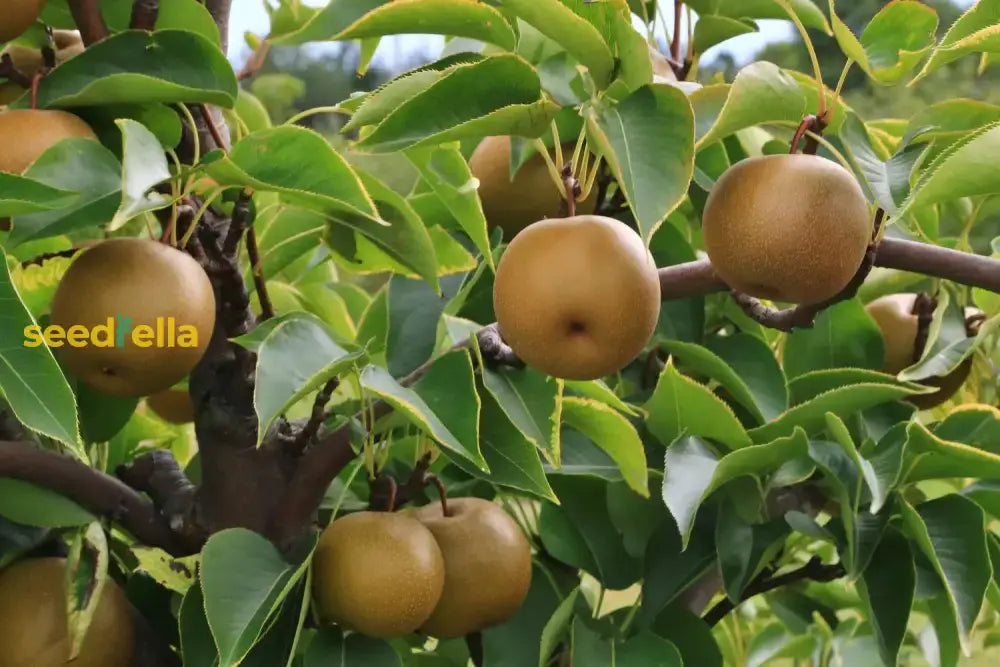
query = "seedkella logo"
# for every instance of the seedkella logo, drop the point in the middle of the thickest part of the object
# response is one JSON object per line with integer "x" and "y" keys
{"x": 117, "y": 331}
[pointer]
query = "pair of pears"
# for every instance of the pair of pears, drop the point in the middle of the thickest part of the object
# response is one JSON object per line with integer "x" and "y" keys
{"x": 388, "y": 574}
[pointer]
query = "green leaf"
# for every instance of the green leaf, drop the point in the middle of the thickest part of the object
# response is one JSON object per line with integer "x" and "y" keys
{"x": 85, "y": 578}
{"x": 681, "y": 405}
{"x": 894, "y": 41}
{"x": 135, "y": 67}
{"x": 32, "y": 505}
{"x": 448, "y": 389}
{"x": 20, "y": 195}
{"x": 931, "y": 457}
{"x": 556, "y": 627}
{"x": 296, "y": 359}
{"x": 575, "y": 34}
{"x": 518, "y": 641}
{"x": 513, "y": 460}
{"x": 703, "y": 361}
{"x": 959, "y": 171}
{"x": 532, "y": 400}
{"x": 842, "y": 336}
{"x": 330, "y": 648}
{"x": 754, "y": 362}
{"x": 243, "y": 576}
{"x": 975, "y": 31}
{"x": 414, "y": 312}
{"x": 948, "y": 120}
{"x": 842, "y": 402}
{"x": 405, "y": 240}
{"x": 745, "y": 549}
{"x": 760, "y": 93}
{"x": 647, "y": 141}
{"x": 298, "y": 163}
{"x": 497, "y": 95}
{"x": 887, "y": 182}
{"x": 579, "y": 531}
{"x": 636, "y": 517}
{"x": 80, "y": 165}
{"x": 950, "y": 532}
{"x": 614, "y": 434}
{"x": 412, "y": 406}
{"x": 600, "y": 391}
{"x": 690, "y": 634}
{"x": 175, "y": 574}
{"x": 197, "y": 644}
{"x": 30, "y": 378}
{"x": 810, "y": 385}
{"x": 806, "y": 11}
{"x": 342, "y": 20}
{"x": 711, "y": 30}
{"x": 144, "y": 165}
{"x": 448, "y": 174}
{"x": 887, "y": 588}
{"x": 692, "y": 472}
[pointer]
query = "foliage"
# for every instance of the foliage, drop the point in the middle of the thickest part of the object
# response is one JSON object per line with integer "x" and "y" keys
{"x": 728, "y": 460}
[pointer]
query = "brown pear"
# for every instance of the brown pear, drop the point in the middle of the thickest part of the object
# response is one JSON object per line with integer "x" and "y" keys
{"x": 29, "y": 61}
{"x": 172, "y": 405}
{"x": 487, "y": 566}
{"x": 137, "y": 316}
{"x": 577, "y": 298}
{"x": 17, "y": 17}
{"x": 33, "y": 620}
{"x": 894, "y": 316}
{"x": 532, "y": 195}
{"x": 791, "y": 228}
{"x": 378, "y": 573}
{"x": 26, "y": 133}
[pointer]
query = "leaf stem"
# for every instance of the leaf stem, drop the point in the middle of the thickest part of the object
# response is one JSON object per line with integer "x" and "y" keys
{"x": 840, "y": 87}
{"x": 821, "y": 94}
{"x": 314, "y": 112}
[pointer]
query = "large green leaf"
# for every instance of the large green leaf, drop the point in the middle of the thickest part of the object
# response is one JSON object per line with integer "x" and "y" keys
{"x": 704, "y": 362}
{"x": 518, "y": 641}
{"x": 144, "y": 165}
{"x": 575, "y": 34}
{"x": 330, "y": 648}
{"x": 243, "y": 577}
{"x": 296, "y": 359}
{"x": 745, "y": 549}
{"x": 692, "y": 472}
{"x": 681, "y": 405}
{"x": 887, "y": 182}
{"x": 20, "y": 195}
{"x": 33, "y": 505}
{"x": 761, "y": 93}
{"x": 711, "y": 30}
{"x": 614, "y": 434}
{"x": 810, "y": 385}
{"x": 931, "y": 457}
{"x": 532, "y": 400}
{"x": 296, "y": 162}
{"x": 590, "y": 649}
{"x": 647, "y": 140}
{"x": 415, "y": 409}
{"x": 136, "y": 66}
{"x": 887, "y": 587}
{"x": 894, "y": 41}
{"x": 30, "y": 378}
{"x": 842, "y": 336}
{"x": 951, "y": 533}
{"x": 805, "y": 10}
{"x": 342, "y": 20}
{"x": 84, "y": 167}
{"x": 497, "y": 95}
{"x": 754, "y": 362}
{"x": 975, "y": 31}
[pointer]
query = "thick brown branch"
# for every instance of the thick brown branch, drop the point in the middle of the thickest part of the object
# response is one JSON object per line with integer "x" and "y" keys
{"x": 88, "y": 18}
{"x": 99, "y": 493}
{"x": 144, "y": 14}
{"x": 219, "y": 9}
{"x": 159, "y": 475}
{"x": 814, "y": 570}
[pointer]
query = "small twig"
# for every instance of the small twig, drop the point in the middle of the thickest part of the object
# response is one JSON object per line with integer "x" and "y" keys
{"x": 383, "y": 494}
{"x": 431, "y": 478}
{"x": 255, "y": 62}
{"x": 88, "y": 18}
{"x": 10, "y": 72}
{"x": 260, "y": 283}
{"x": 675, "y": 42}
{"x": 415, "y": 483}
{"x": 814, "y": 570}
{"x": 810, "y": 123}
{"x": 144, "y": 14}
{"x": 311, "y": 429}
{"x": 206, "y": 113}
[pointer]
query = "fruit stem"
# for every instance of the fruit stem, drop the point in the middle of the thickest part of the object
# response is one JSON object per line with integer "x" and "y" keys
{"x": 35, "y": 80}
{"x": 821, "y": 93}
{"x": 572, "y": 187}
{"x": 836, "y": 93}
{"x": 431, "y": 478}
{"x": 393, "y": 489}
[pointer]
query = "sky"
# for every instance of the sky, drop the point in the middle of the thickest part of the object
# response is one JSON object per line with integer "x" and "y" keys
{"x": 250, "y": 15}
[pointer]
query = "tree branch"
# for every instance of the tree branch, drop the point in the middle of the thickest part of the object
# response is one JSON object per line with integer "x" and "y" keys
{"x": 159, "y": 475}
{"x": 259, "y": 281}
{"x": 219, "y": 9}
{"x": 99, "y": 493}
{"x": 814, "y": 570}
{"x": 311, "y": 428}
{"x": 10, "y": 72}
{"x": 88, "y": 18}
{"x": 144, "y": 14}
